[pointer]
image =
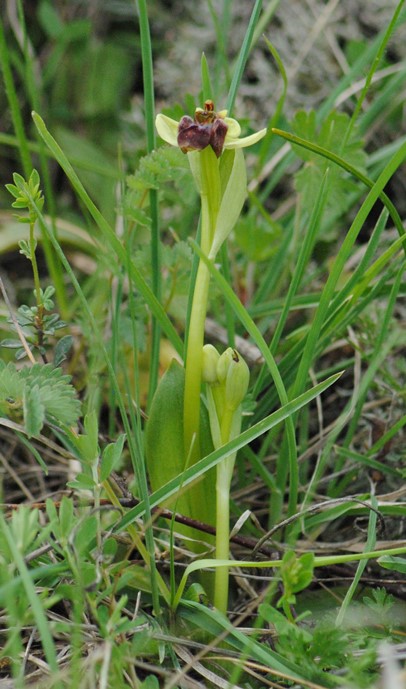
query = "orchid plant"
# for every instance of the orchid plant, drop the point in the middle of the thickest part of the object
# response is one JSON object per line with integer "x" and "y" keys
{"x": 213, "y": 143}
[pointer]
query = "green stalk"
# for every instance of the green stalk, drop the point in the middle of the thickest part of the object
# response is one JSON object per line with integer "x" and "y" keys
{"x": 193, "y": 368}
{"x": 222, "y": 533}
{"x": 243, "y": 55}
{"x": 381, "y": 51}
{"x": 224, "y": 475}
{"x": 37, "y": 284}
{"x": 210, "y": 200}
{"x": 319, "y": 561}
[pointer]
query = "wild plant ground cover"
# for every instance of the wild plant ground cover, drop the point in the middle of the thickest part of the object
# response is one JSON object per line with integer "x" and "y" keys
{"x": 202, "y": 375}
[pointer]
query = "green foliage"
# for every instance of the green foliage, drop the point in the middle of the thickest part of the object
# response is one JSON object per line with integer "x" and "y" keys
{"x": 165, "y": 164}
{"x": 154, "y": 172}
{"x": 37, "y": 395}
{"x": 88, "y": 451}
{"x": 319, "y": 647}
{"x": 111, "y": 456}
{"x": 381, "y": 602}
{"x": 150, "y": 682}
{"x": 258, "y": 238}
{"x": 175, "y": 262}
{"x": 332, "y": 135}
{"x": 97, "y": 465}
{"x": 296, "y": 574}
{"x": 38, "y": 326}
{"x": 26, "y": 532}
{"x": 90, "y": 585}
{"x": 28, "y": 195}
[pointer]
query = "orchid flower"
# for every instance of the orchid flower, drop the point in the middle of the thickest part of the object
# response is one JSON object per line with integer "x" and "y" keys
{"x": 221, "y": 179}
{"x": 203, "y": 130}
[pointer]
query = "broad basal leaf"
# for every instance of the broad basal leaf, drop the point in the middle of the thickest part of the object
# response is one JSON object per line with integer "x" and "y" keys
{"x": 165, "y": 449}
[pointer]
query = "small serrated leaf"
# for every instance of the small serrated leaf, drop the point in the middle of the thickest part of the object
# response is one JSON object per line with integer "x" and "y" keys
{"x": 22, "y": 353}
{"x": 19, "y": 181}
{"x": 24, "y": 248}
{"x": 87, "y": 444}
{"x": 11, "y": 386}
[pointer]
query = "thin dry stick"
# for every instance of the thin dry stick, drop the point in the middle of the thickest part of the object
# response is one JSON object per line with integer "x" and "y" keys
{"x": 16, "y": 323}
{"x": 20, "y": 483}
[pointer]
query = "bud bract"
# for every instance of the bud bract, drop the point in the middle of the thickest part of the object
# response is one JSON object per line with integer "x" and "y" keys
{"x": 234, "y": 373}
{"x": 224, "y": 363}
{"x": 209, "y": 364}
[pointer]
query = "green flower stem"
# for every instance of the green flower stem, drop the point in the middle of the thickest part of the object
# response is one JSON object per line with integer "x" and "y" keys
{"x": 222, "y": 533}
{"x": 193, "y": 368}
{"x": 322, "y": 561}
{"x": 224, "y": 476}
{"x": 210, "y": 189}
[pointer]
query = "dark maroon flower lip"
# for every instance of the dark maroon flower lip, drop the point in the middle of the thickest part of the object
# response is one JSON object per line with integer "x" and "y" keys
{"x": 207, "y": 129}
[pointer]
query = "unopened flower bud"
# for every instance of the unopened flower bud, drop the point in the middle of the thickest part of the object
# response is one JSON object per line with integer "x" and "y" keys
{"x": 234, "y": 373}
{"x": 224, "y": 363}
{"x": 209, "y": 366}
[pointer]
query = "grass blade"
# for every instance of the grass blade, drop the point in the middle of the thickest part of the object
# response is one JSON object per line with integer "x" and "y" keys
{"x": 149, "y": 101}
{"x": 243, "y": 56}
{"x": 339, "y": 263}
{"x": 381, "y": 51}
{"x": 14, "y": 105}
